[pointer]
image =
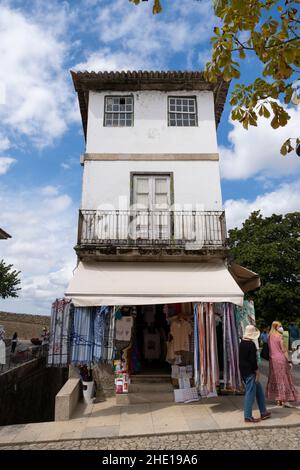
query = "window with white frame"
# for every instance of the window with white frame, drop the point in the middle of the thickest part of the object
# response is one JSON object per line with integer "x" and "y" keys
{"x": 182, "y": 111}
{"x": 118, "y": 111}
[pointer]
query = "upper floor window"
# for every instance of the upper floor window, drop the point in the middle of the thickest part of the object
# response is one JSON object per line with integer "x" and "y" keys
{"x": 118, "y": 111}
{"x": 182, "y": 111}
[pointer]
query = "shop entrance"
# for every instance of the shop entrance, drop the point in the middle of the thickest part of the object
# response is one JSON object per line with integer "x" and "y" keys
{"x": 152, "y": 332}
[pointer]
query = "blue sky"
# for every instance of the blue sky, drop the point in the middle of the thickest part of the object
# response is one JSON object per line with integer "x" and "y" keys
{"x": 40, "y": 129}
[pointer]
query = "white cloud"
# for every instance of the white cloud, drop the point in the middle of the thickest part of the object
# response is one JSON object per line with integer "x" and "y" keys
{"x": 108, "y": 60}
{"x": 43, "y": 225}
{"x": 257, "y": 151}
{"x": 4, "y": 143}
{"x": 69, "y": 163}
{"x": 283, "y": 200}
{"x": 204, "y": 56}
{"x": 39, "y": 101}
{"x": 5, "y": 164}
{"x": 65, "y": 166}
{"x": 134, "y": 38}
{"x": 49, "y": 190}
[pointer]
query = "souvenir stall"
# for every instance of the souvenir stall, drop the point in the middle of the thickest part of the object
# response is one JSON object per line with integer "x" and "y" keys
{"x": 130, "y": 319}
{"x": 198, "y": 348}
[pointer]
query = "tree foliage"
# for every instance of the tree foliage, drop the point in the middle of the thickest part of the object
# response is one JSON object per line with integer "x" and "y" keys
{"x": 271, "y": 247}
{"x": 270, "y": 30}
{"x": 9, "y": 281}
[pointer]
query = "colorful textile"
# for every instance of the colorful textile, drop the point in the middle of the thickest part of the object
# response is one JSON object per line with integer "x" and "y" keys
{"x": 123, "y": 328}
{"x": 280, "y": 385}
{"x": 181, "y": 331}
{"x": 109, "y": 334}
{"x": 246, "y": 316}
{"x": 196, "y": 347}
{"x": 99, "y": 331}
{"x": 206, "y": 356}
{"x": 59, "y": 353}
{"x": 231, "y": 373}
{"x": 82, "y": 338}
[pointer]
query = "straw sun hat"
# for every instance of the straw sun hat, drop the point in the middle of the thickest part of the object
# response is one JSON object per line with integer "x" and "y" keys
{"x": 251, "y": 332}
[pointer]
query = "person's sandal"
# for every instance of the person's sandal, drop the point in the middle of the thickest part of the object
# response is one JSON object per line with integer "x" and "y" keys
{"x": 287, "y": 405}
{"x": 252, "y": 420}
{"x": 279, "y": 403}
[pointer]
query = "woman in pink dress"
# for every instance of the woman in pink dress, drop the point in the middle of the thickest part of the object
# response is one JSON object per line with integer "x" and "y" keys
{"x": 280, "y": 385}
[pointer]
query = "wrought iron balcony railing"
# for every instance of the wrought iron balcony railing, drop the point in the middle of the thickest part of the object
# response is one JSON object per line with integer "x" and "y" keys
{"x": 189, "y": 229}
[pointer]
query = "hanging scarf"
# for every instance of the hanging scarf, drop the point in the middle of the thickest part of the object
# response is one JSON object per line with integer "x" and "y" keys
{"x": 82, "y": 338}
{"x": 231, "y": 375}
{"x": 205, "y": 354}
{"x": 109, "y": 330}
{"x": 99, "y": 331}
{"x": 59, "y": 352}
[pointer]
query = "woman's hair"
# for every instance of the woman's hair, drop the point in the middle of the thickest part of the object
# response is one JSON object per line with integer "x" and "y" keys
{"x": 274, "y": 327}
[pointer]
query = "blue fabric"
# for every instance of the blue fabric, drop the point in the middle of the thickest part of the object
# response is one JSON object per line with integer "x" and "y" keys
{"x": 82, "y": 338}
{"x": 99, "y": 331}
{"x": 253, "y": 390}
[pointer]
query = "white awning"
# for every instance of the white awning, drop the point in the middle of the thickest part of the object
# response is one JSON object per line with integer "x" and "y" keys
{"x": 138, "y": 283}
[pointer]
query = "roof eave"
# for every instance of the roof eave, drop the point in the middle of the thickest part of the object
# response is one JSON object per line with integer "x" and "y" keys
{"x": 4, "y": 235}
{"x": 136, "y": 81}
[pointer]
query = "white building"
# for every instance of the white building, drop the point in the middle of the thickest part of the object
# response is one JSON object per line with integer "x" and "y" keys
{"x": 151, "y": 225}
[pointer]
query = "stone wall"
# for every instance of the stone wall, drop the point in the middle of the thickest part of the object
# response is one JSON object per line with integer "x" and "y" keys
{"x": 43, "y": 320}
{"x": 27, "y": 326}
{"x": 27, "y": 392}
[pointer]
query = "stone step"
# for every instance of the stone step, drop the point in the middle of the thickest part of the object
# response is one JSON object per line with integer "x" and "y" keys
{"x": 144, "y": 387}
{"x": 147, "y": 378}
{"x": 147, "y": 397}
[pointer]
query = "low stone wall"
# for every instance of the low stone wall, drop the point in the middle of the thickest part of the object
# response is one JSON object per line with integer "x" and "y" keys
{"x": 67, "y": 399}
{"x": 27, "y": 392}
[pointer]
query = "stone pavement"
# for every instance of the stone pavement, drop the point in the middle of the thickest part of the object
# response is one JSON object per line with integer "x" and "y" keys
{"x": 105, "y": 424}
{"x": 247, "y": 439}
{"x": 106, "y": 420}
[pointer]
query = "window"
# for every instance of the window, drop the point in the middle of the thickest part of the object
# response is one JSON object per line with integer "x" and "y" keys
{"x": 151, "y": 199}
{"x": 182, "y": 111}
{"x": 118, "y": 111}
{"x": 151, "y": 191}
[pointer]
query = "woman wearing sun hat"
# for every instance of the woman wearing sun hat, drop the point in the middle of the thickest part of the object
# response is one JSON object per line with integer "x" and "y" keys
{"x": 250, "y": 375}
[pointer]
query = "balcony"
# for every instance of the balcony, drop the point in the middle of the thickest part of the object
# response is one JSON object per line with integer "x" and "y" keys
{"x": 144, "y": 232}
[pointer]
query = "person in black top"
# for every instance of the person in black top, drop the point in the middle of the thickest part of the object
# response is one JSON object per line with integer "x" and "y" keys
{"x": 250, "y": 375}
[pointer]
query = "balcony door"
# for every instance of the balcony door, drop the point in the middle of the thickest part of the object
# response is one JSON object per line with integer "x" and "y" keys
{"x": 151, "y": 204}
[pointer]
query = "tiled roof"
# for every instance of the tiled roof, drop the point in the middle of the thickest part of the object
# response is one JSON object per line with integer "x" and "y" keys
{"x": 146, "y": 80}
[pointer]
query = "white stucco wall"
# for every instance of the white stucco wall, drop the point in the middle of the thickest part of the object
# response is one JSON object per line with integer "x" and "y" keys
{"x": 150, "y": 133}
{"x": 106, "y": 184}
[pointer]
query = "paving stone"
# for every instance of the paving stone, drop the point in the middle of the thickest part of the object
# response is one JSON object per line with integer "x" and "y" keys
{"x": 281, "y": 438}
